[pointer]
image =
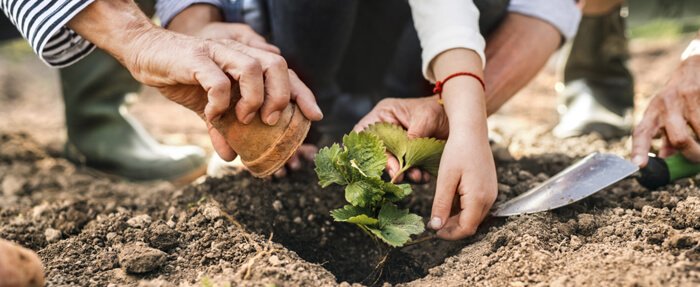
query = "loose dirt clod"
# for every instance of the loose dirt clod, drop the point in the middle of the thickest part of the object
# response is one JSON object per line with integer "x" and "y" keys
{"x": 138, "y": 258}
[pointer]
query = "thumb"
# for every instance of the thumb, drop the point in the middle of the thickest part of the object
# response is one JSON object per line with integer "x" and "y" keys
{"x": 419, "y": 127}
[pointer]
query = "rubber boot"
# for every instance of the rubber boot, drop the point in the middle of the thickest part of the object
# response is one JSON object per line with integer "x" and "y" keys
{"x": 102, "y": 135}
{"x": 598, "y": 92}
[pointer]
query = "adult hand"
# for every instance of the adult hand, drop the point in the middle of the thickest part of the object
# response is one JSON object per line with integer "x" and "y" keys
{"x": 422, "y": 117}
{"x": 673, "y": 114}
{"x": 206, "y": 21}
{"x": 193, "y": 72}
{"x": 241, "y": 33}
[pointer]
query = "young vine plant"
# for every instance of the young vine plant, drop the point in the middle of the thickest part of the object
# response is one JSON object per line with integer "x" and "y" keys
{"x": 359, "y": 164}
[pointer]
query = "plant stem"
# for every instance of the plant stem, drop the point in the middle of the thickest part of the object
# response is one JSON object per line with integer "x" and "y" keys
{"x": 420, "y": 240}
{"x": 396, "y": 176}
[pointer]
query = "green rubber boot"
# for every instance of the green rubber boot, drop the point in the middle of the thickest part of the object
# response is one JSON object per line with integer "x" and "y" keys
{"x": 103, "y": 136}
{"x": 598, "y": 91}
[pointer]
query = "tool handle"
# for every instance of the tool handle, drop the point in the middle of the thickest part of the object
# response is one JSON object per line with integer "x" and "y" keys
{"x": 660, "y": 172}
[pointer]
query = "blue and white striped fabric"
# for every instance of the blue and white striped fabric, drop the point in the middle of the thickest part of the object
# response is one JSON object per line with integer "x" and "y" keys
{"x": 43, "y": 24}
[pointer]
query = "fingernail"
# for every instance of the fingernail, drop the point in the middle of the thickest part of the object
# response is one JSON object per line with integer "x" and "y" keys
{"x": 318, "y": 110}
{"x": 638, "y": 160}
{"x": 435, "y": 223}
{"x": 273, "y": 118}
{"x": 249, "y": 118}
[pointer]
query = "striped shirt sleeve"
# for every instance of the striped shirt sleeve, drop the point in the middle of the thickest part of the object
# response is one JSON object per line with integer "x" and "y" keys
{"x": 43, "y": 24}
{"x": 166, "y": 10}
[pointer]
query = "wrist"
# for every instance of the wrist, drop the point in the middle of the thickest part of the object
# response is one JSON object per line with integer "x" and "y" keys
{"x": 194, "y": 18}
{"x": 112, "y": 25}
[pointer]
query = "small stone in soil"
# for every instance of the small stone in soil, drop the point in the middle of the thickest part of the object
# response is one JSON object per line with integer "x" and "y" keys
{"x": 274, "y": 260}
{"x": 137, "y": 258}
{"x": 13, "y": 185}
{"x": 163, "y": 237}
{"x": 682, "y": 241}
{"x": 139, "y": 221}
{"x": 277, "y": 205}
{"x": 586, "y": 224}
{"x": 52, "y": 235}
{"x": 211, "y": 212}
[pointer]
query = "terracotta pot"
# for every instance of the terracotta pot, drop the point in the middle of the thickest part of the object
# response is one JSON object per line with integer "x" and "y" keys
{"x": 264, "y": 149}
{"x": 19, "y": 266}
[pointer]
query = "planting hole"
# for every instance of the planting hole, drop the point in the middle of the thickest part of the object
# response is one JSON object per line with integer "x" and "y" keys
{"x": 296, "y": 211}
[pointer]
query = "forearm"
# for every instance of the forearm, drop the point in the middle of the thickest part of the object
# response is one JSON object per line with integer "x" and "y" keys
{"x": 517, "y": 50}
{"x": 191, "y": 20}
{"x": 111, "y": 25}
{"x": 463, "y": 97}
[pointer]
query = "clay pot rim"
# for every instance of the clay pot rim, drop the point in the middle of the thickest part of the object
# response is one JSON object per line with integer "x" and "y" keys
{"x": 294, "y": 134}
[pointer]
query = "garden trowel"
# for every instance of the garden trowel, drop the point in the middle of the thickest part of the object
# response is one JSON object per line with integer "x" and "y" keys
{"x": 592, "y": 174}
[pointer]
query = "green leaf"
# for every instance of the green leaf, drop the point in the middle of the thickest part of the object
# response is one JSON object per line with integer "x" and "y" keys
{"x": 363, "y": 219}
{"x": 394, "y": 192}
{"x": 329, "y": 166}
{"x": 425, "y": 153}
{"x": 366, "y": 154}
{"x": 367, "y": 192}
{"x": 393, "y": 136}
{"x": 397, "y": 225}
{"x": 354, "y": 214}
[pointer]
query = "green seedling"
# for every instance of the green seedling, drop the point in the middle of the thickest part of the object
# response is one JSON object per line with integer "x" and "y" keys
{"x": 359, "y": 164}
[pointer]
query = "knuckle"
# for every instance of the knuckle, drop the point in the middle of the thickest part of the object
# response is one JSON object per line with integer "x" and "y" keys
{"x": 250, "y": 66}
{"x": 278, "y": 62}
{"x": 681, "y": 142}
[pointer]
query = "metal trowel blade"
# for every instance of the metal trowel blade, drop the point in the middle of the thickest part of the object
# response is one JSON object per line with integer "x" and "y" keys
{"x": 588, "y": 176}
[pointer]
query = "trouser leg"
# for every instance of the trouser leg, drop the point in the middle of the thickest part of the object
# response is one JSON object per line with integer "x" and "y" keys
{"x": 102, "y": 135}
{"x": 7, "y": 30}
{"x": 599, "y": 88}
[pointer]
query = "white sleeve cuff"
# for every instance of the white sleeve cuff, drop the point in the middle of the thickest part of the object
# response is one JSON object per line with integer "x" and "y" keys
{"x": 562, "y": 14}
{"x": 447, "y": 39}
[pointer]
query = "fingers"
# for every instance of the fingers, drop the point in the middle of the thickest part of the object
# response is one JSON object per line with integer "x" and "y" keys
{"x": 248, "y": 72}
{"x": 219, "y": 143}
{"x": 263, "y": 45}
{"x": 447, "y": 183}
{"x": 680, "y": 137}
{"x": 382, "y": 112}
{"x": 392, "y": 167}
{"x": 304, "y": 98}
{"x": 277, "y": 85}
{"x": 643, "y": 133}
{"x": 245, "y": 34}
{"x": 294, "y": 163}
{"x": 474, "y": 207}
{"x": 415, "y": 175}
{"x": 218, "y": 88}
{"x": 308, "y": 152}
{"x": 666, "y": 149}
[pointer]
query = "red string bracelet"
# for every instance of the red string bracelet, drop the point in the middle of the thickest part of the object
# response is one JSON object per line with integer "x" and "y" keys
{"x": 440, "y": 84}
